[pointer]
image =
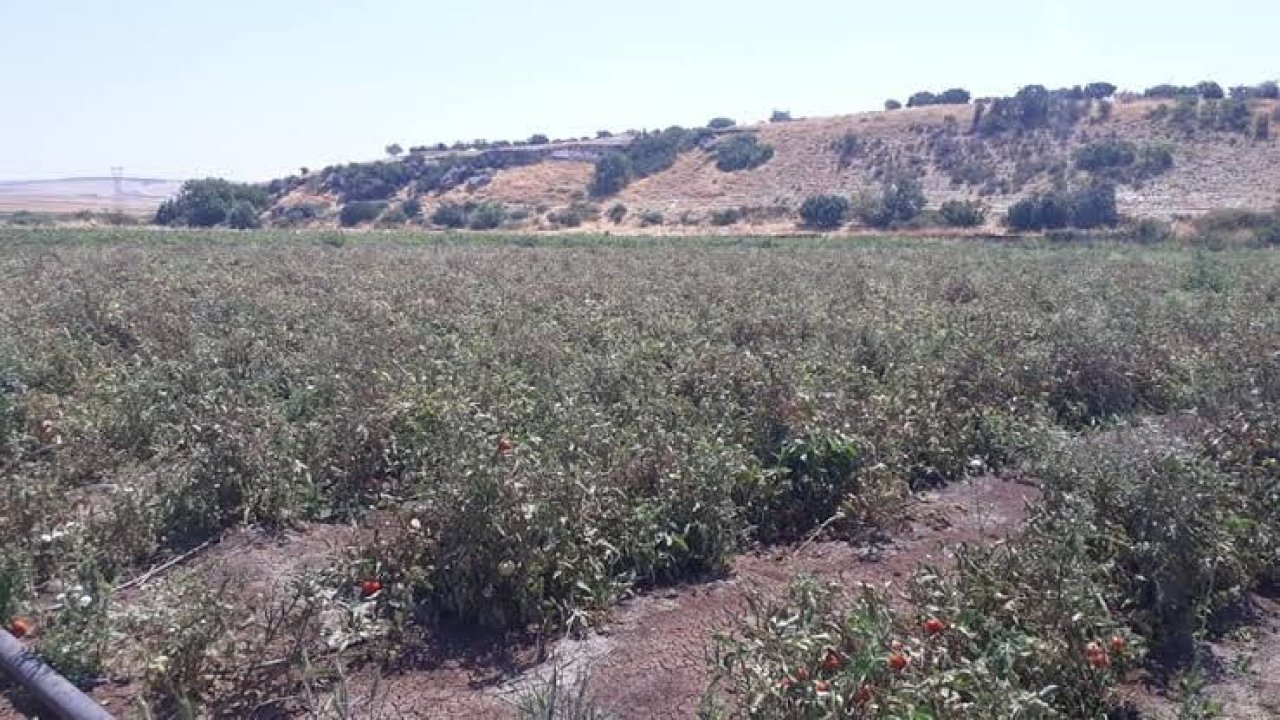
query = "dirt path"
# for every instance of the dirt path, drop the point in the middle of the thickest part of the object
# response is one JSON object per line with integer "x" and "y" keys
{"x": 650, "y": 662}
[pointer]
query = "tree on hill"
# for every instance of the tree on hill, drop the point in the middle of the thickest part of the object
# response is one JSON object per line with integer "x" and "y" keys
{"x": 721, "y": 123}
{"x": 892, "y": 105}
{"x": 538, "y": 139}
{"x": 394, "y": 150}
{"x": 612, "y": 173}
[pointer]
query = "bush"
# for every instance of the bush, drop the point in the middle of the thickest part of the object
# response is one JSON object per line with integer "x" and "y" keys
{"x": 1153, "y": 160}
{"x": 487, "y": 216}
{"x": 1262, "y": 127}
{"x": 243, "y": 216}
{"x": 963, "y": 213}
{"x": 1121, "y": 160}
{"x": 412, "y": 207}
{"x": 617, "y": 212}
{"x": 651, "y": 153}
{"x": 1210, "y": 90}
{"x": 612, "y": 173}
{"x": 393, "y": 217}
{"x": 922, "y": 99}
{"x": 1149, "y": 231}
{"x": 721, "y": 123}
{"x": 892, "y": 105}
{"x": 649, "y": 218}
{"x": 899, "y": 202}
{"x": 206, "y": 203}
{"x": 1099, "y": 90}
{"x": 450, "y": 215}
{"x": 1109, "y": 154}
{"x": 360, "y": 211}
{"x": 1091, "y": 207}
{"x": 741, "y": 152}
{"x": 824, "y": 212}
{"x": 780, "y": 116}
{"x": 727, "y": 216}
{"x": 1268, "y": 90}
{"x": 538, "y": 139}
{"x": 954, "y": 96}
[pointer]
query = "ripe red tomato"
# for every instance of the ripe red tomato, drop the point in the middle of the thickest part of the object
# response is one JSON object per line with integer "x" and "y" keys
{"x": 1117, "y": 644}
{"x": 1101, "y": 660}
{"x": 832, "y": 660}
{"x": 863, "y": 696}
{"x": 19, "y": 627}
{"x": 802, "y": 673}
{"x": 370, "y": 587}
{"x": 933, "y": 626}
{"x": 899, "y": 661}
{"x": 504, "y": 445}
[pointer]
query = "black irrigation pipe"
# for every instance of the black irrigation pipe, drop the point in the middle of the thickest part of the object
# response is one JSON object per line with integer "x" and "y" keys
{"x": 52, "y": 690}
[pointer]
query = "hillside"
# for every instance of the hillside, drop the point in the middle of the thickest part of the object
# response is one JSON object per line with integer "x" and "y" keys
{"x": 1218, "y": 154}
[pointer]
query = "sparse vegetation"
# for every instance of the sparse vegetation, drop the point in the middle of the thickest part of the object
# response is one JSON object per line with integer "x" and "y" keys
{"x": 721, "y": 123}
{"x": 741, "y": 152}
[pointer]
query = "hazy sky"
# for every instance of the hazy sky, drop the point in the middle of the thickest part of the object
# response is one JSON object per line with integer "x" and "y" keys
{"x": 254, "y": 89}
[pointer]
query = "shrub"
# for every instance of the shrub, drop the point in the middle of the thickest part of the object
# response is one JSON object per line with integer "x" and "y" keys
{"x": 412, "y": 207}
{"x": 1262, "y": 127}
{"x": 612, "y": 173}
{"x": 741, "y": 152}
{"x": 963, "y": 213}
{"x": 954, "y": 96}
{"x": 617, "y": 212}
{"x": 649, "y": 218}
{"x": 651, "y": 153}
{"x": 1149, "y": 231}
{"x": 450, "y": 215}
{"x": 922, "y": 99}
{"x": 824, "y": 212}
{"x": 206, "y": 203}
{"x": 900, "y": 201}
{"x": 721, "y": 123}
{"x": 1091, "y": 207}
{"x": 1210, "y": 90}
{"x": 538, "y": 139}
{"x": 891, "y": 105}
{"x": 360, "y": 211}
{"x": 1268, "y": 90}
{"x": 847, "y": 146}
{"x": 727, "y": 216}
{"x": 393, "y": 217}
{"x": 1109, "y": 154}
{"x": 1153, "y": 160}
{"x": 780, "y": 116}
{"x": 487, "y": 216}
{"x": 1099, "y": 90}
{"x": 243, "y": 216}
